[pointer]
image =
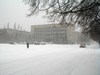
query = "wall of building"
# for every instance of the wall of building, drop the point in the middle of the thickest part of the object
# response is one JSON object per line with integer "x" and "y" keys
{"x": 49, "y": 33}
{"x": 57, "y": 34}
{"x": 44, "y": 33}
{"x": 11, "y": 36}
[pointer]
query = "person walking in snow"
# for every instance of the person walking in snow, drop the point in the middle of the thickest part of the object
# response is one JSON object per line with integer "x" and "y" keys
{"x": 27, "y": 44}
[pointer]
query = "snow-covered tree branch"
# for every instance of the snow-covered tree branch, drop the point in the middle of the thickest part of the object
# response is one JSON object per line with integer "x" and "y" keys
{"x": 85, "y": 13}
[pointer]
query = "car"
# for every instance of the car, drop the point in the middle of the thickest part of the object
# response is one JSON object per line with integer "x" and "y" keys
{"x": 82, "y": 45}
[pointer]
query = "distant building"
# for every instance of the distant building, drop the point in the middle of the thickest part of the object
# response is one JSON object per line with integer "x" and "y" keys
{"x": 75, "y": 37}
{"x": 56, "y": 33}
{"x": 12, "y": 35}
{"x": 49, "y": 33}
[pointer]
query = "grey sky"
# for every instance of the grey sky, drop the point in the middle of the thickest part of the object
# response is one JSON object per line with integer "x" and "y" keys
{"x": 14, "y": 11}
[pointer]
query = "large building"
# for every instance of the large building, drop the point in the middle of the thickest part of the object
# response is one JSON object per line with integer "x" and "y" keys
{"x": 12, "y": 35}
{"x": 49, "y": 33}
{"x": 55, "y": 33}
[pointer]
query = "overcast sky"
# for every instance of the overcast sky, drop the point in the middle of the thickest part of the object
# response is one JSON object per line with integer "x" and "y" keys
{"x": 14, "y": 11}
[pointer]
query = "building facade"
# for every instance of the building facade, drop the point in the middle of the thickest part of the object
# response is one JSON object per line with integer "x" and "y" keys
{"x": 12, "y": 35}
{"x": 57, "y": 34}
{"x": 49, "y": 33}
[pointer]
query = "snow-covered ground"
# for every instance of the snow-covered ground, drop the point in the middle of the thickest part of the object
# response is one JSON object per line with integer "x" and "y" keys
{"x": 49, "y": 60}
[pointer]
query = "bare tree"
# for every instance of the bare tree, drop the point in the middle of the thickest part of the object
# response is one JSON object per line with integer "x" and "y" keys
{"x": 85, "y": 13}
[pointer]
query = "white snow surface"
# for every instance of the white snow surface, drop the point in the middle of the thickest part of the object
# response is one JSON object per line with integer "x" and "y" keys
{"x": 49, "y": 60}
